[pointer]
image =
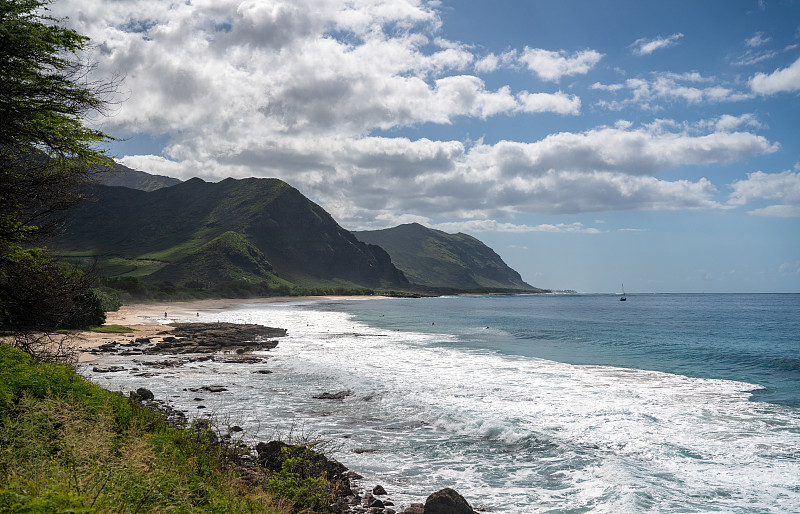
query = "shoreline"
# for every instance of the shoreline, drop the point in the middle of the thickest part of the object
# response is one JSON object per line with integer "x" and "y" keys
{"x": 148, "y": 319}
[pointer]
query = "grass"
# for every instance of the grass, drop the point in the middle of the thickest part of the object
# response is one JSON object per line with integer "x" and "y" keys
{"x": 111, "y": 329}
{"x": 67, "y": 445}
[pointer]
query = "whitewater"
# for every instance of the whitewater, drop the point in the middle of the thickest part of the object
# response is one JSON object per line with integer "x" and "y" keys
{"x": 526, "y": 404}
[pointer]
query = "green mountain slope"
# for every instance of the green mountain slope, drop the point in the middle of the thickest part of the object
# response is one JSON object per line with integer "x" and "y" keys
{"x": 251, "y": 229}
{"x": 123, "y": 176}
{"x": 438, "y": 259}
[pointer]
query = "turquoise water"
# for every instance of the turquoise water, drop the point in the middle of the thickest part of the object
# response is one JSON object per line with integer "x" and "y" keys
{"x": 527, "y": 404}
{"x": 752, "y": 338}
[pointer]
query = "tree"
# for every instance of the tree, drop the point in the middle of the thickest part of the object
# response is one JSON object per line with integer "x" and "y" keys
{"x": 47, "y": 152}
{"x": 46, "y": 149}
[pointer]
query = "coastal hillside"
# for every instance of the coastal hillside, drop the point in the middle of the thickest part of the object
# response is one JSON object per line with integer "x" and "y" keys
{"x": 123, "y": 176}
{"x": 434, "y": 258}
{"x": 202, "y": 234}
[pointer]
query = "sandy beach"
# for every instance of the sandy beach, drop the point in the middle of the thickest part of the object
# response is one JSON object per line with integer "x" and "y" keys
{"x": 149, "y": 319}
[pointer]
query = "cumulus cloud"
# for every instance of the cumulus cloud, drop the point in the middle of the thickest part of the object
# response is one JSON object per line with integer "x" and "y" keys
{"x": 644, "y": 46}
{"x": 491, "y": 62}
{"x": 551, "y": 66}
{"x": 784, "y": 80}
{"x": 652, "y": 92}
{"x": 368, "y": 181}
{"x": 728, "y": 122}
{"x": 769, "y": 186}
{"x": 313, "y": 91}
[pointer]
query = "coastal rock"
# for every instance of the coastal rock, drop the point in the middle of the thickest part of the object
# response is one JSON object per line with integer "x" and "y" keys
{"x": 214, "y": 337}
{"x": 214, "y": 389}
{"x": 145, "y": 394}
{"x": 238, "y": 359}
{"x": 415, "y": 508}
{"x": 447, "y": 501}
{"x": 108, "y": 369}
{"x": 341, "y": 395}
{"x": 271, "y": 456}
{"x": 378, "y": 490}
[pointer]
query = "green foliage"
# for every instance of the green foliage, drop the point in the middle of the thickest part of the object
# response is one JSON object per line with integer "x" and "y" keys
{"x": 111, "y": 329}
{"x": 109, "y": 299}
{"x": 38, "y": 293}
{"x": 45, "y": 154}
{"x": 453, "y": 262}
{"x": 248, "y": 230}
{"x": 67, "y": 445}
{"x": 45, "y": 92}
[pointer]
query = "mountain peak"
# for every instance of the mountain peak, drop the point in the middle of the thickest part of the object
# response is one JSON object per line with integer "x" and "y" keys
{"x": 435, "y": 258}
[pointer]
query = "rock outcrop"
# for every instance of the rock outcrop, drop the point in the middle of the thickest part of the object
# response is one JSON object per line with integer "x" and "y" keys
{"x": 447, "y": 501}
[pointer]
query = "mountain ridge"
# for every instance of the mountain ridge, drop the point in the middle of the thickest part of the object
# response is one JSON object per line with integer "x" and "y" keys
{"x": 281, "y": 235}
{"x": 434, "y": 258}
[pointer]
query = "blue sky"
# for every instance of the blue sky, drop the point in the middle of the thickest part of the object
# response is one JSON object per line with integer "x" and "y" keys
{"x": 589, "y": 143}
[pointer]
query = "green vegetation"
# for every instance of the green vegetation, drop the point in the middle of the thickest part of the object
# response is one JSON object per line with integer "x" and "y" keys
{"x": 234, "y": 231}
{"x": 112, "y": 329}
{"x": 122, "y": 176}
{"x": 132, "y": 289}
{"x": 435, "y": 261}
{"x": 67, "y": 445}
{"x": 46, "y": 152}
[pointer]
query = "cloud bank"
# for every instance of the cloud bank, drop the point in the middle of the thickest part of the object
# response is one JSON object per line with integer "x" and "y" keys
{"x": 315, "y": 91}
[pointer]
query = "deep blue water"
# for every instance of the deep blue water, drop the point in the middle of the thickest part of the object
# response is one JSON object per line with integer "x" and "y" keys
{"x": 752, "y": 338}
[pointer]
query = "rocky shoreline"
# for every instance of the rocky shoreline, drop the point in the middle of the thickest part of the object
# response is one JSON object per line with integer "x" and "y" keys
{"x": 231, "y": 342}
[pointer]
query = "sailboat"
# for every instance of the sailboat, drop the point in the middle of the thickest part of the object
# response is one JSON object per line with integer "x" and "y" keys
{"x": 623, "y": 298}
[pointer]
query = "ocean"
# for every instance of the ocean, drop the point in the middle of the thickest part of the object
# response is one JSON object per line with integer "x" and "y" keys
{"x": 528, "y": 403}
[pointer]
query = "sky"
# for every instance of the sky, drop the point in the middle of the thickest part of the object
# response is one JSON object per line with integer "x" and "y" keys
{"x": 589, "y": 143}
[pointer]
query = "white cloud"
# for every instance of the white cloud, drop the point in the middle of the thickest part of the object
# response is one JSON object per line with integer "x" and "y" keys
{"x": 644, "y": 46}
{"x": 298, "y": 90}
{"x": 779, "y": 81}
{"x": 728, "y": 122}
{"x": 546, "y": 102}
{"x": 368, "y": 180}
{"x": 471, "y": 226}
{"x": 652, "y": 92}
{"x": 758, "y": 39}
{"x": 751, "y": 57}
{"x": 492, "y": 62}
{"x": 551, "y": 66}
{"x": 783, "y": 186}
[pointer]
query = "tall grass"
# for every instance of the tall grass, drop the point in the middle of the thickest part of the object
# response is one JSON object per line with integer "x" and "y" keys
{"x": 67, "y": 445}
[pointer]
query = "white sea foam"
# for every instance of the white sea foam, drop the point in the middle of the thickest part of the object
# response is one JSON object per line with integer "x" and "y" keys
{"x": 512, "y": 433}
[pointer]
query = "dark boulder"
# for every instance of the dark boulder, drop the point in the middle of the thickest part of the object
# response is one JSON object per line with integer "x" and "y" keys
{"x": 145, "y": 394}
{"x": 447, "y": 501}
{"x": 378, "y": 490}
